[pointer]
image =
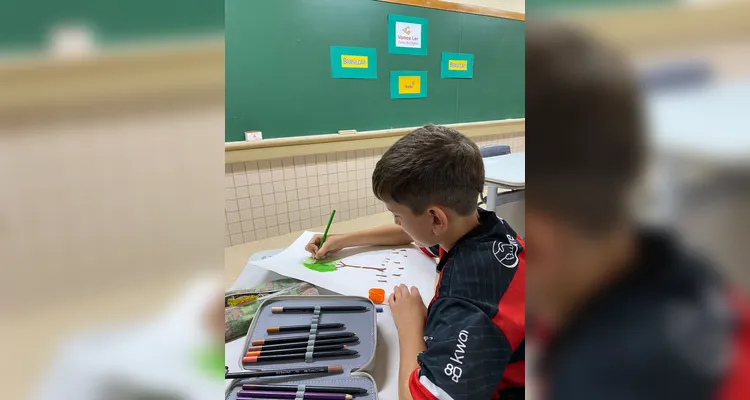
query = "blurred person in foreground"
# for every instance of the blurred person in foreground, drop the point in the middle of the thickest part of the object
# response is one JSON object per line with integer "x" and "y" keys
{"x": 618, "y": 310}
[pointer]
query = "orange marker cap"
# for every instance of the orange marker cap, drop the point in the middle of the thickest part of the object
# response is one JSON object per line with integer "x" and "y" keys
{"x": 377, "y": 295}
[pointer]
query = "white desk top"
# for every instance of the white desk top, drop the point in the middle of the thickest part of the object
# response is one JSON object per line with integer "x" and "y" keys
{"x": 711, "y": 123}
{"x": 509, "y": 170}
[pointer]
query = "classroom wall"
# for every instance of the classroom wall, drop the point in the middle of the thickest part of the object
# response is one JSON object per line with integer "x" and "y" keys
{"x": 275, "y": 197}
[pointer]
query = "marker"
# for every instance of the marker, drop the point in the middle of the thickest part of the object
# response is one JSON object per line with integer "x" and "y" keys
{"x": 299, "y": 356}
{"x": 302, "y": 344}
{"x": 333, "y": 369}
{"x": 324, "y": 389}
{"x": 292, "y": 328}
{"x": 278, "y": 310}
{"x": 303, "y": 338}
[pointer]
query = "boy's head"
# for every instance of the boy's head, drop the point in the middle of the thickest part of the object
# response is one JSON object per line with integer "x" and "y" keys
{"x": 583, "y": 110}
{"x": 430, "y": 177}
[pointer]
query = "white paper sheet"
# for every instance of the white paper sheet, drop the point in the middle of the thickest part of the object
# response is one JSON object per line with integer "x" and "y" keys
{"x": 381, "y": 268}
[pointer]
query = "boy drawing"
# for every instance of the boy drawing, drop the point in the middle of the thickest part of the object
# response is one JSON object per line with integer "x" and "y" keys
{"x": 469, "y": 343}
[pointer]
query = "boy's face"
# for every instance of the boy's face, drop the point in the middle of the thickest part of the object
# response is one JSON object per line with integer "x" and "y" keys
{"x": 419, "y": 227}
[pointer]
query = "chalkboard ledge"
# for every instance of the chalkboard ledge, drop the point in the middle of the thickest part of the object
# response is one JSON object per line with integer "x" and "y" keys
{"x": 305, "y": 145}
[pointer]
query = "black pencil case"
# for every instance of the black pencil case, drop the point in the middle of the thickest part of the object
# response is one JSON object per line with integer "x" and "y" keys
{"x": 355, "y": 368}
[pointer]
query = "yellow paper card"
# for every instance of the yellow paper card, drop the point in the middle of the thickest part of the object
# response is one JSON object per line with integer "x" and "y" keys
{"x": 457, "y": 65}
{"x": 409, "y": 84}
{"x": 353, "y": 61}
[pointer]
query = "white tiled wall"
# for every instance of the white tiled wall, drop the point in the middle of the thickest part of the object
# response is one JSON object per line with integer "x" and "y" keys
{"x": 274, "y": 197}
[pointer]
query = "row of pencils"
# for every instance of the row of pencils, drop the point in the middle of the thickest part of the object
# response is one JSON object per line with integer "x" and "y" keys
{"x": 295, "y": 347}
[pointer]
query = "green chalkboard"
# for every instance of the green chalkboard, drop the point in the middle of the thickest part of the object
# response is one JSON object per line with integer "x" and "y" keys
{"x": 278, "y": 73}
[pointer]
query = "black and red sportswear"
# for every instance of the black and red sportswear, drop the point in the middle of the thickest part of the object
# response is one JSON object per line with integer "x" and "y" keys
{"x": 475, "y": 327}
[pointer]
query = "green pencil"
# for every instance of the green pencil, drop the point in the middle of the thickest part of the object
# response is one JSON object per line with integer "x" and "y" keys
{"x": 325, "y": 234}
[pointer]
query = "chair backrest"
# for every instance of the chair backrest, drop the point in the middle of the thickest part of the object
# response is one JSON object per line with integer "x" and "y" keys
{"x": 494, "y": 150}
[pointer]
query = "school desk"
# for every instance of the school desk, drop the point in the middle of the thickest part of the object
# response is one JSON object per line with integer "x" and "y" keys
{"x": 504, "y": 172}
{"x": 705, "y": 126}
{"x": 239, "y": 274}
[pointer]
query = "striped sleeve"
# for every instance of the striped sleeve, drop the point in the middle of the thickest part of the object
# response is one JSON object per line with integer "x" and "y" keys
{"x": 466, "y": 354}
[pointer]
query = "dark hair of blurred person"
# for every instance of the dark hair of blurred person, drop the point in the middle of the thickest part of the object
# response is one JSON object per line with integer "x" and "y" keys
{"x": 621, "y": 311}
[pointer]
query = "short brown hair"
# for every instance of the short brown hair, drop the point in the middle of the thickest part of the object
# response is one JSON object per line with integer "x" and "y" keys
{"x": 431, "y": 165}
{"x": 585, "y": 127}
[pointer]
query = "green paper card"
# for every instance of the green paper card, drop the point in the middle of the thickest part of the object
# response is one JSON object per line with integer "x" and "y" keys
{"x": 457, "y": 65}
{"x": 407, "y": 35}
{"x": 408, "y": 84}
{"x": 354, "y": 62}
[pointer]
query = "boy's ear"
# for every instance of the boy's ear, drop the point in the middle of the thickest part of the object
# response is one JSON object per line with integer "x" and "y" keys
{"x": 439, "y": 220}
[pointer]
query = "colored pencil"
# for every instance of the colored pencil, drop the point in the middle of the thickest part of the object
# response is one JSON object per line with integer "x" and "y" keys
{"x": 325, "y": 233}
{"x": 302, "y": 338}
{"x": 324, "y": 389}
{"x": 333, "y": 369}
{"x": 292, "y": 328}
{"x": 277, "y": 310}
{"x": 255, "y": 394}
{"x": 302, "y": 344}
{"x": 294, "y": 350}
{"x": 299, "y": 356}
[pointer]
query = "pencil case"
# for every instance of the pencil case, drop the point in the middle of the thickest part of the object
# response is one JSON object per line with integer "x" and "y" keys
{"x": 355, "y": 368}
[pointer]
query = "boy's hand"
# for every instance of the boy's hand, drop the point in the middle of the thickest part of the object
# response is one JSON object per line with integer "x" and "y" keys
{"x": 407, "y": 308}
{"x": 332, "y": 244}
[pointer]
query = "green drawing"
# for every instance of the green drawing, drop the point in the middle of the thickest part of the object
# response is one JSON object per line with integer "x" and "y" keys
{"x": 320, "y": 265}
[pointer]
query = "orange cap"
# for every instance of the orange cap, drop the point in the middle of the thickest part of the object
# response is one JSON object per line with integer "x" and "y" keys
{"x": 377, "y": 295}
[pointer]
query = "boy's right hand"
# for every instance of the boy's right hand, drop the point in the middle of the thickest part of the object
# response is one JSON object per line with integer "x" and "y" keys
{"x": 332, "y": 244}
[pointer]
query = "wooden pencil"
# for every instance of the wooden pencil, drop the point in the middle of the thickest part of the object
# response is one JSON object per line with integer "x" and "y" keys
{"x": 301, "y": 338}
{"x": 303, "y": 344}
{"x": 299, "y": 356}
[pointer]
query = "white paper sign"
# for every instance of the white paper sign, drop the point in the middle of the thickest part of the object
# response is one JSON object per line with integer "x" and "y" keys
{"x": 408, "y": 35}
{"x": 359, "y": 269}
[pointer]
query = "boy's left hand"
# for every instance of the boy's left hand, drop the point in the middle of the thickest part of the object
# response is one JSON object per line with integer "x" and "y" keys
{"x": 407, "y": 308}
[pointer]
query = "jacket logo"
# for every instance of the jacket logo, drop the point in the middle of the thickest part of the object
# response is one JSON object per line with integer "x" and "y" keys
{"x": 454, "y": 371}
{"x": 506, "y": 253}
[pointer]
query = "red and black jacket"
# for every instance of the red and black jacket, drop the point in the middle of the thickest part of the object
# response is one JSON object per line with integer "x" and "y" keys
{"x": 475, "y": 327}
{"x": 671, "y": 329}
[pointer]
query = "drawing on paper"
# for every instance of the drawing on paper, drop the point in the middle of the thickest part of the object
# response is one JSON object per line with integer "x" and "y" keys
{"x": 354, "y": 271}
{"x": 319, "y": 266}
